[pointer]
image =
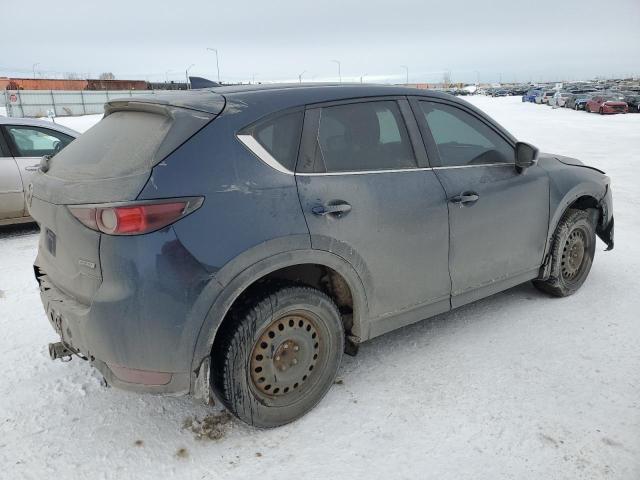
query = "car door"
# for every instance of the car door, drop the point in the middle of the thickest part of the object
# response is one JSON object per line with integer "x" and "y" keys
{"x": 29, "y": 144}
{"x": 11, "y": 191}
{"x": 498, "y": 216}
{"x": 369, "y": 196}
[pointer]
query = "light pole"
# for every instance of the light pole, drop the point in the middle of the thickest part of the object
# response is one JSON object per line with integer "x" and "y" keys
{"x": 407, "y": 70}
{"x": 34, "y": 69}
{"x": 339, "y": 73}
{"x": 362, "y": 76}
{"x": 166, "y": 75}
{"x": 478, "y": 77}
{"x": 186, "y": 75}
{"x": 217, "y": 64}
{"x": 253, "y": 77}
{"x": 300, "y": 76}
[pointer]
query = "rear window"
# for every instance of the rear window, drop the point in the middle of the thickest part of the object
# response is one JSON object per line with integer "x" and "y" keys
{"x": 126, "y": 143}
{"x": 280, "y": 136}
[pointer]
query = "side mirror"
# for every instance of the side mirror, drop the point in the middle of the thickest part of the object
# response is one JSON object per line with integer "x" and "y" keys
{"x": 526, "y": 156}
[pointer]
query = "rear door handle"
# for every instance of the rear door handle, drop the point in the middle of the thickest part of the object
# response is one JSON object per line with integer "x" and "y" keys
{"x": 465, "y": 198}
{"x": 337, "y": 210}
{"x": 32, "y": 168}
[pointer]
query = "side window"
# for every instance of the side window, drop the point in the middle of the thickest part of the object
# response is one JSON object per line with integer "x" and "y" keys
{"x": 462, "y": 139}
{"x": 359, "y": 137}
{"x": 37, "y": 142}
{"x": 280, "y": 136}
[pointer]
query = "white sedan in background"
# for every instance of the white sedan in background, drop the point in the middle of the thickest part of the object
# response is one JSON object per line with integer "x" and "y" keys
{"x": 23, "y": 142}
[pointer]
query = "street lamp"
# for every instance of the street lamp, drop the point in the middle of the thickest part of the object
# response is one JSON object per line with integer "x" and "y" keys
{"x": 186, "y": 75}
{"x": 300, "y": 76}
{"x": 339, "y": 73}
{"x": 34, "y": 69}
{"x": 362, "y": 76}
{"x": 407, "y": 69}
{"x": 253, "y": 77}
{"x": 217, "y": 64}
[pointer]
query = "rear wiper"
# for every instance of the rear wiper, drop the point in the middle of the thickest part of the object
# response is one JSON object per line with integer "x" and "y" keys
{"x": 45, "y": 163}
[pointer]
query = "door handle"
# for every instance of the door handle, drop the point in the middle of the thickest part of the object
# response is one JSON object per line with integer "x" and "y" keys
{"x": 465, "y": 198}
{"x": 338, "y": 209}
{"x": 32, "y": 168}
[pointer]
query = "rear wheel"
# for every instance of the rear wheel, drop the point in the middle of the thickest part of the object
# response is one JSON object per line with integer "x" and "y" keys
{"x": 572, "y": 253}
{"x": 282, "y": 357}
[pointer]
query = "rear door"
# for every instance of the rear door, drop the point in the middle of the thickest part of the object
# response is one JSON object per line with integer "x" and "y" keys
{"x": 11, "y": 192}
{"x": 368, "y": 195}
{"x": 497, "y": 216}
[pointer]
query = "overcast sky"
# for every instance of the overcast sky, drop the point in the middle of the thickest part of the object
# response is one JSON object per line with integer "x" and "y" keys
{"x": 275, "y": 40}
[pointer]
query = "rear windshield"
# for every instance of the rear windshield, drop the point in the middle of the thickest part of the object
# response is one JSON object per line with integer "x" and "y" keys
{"x": 125, "y": 143}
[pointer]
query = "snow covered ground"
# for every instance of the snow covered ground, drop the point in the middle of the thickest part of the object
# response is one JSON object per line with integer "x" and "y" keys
{"x": 516, "y": 386}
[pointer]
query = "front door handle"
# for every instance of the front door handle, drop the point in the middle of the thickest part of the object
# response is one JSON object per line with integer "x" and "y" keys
{"x": 465, "y": 198}
{"x": 32, "y": 168}
{"x": 338, "y": 209}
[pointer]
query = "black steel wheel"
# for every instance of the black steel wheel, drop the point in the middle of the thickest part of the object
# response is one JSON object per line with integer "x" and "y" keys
{"x": 281, "y": 357}
{"x": 572, "y": 252}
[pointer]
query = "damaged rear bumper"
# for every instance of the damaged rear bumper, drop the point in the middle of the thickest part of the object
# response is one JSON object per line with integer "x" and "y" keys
{"x": 74, "y": 325}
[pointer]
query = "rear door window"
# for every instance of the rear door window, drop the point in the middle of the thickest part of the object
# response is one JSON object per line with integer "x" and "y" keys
{"x": 359, "y": 137}
{"x": 36, "y": 141}
{"x": 462, "y": 139}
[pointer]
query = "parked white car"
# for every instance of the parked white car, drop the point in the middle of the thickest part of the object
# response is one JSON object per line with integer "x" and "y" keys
{"x": 23, "y": 143}
{"x": 559, "y": 99}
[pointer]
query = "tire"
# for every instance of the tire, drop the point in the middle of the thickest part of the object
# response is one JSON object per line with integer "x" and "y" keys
{"x": 601, "y": 111}
{"x": 575, "y": 107}
{"x": 572, "y": 252}
{"x": 281, "y": 357}
{"x": 587, "y": 109}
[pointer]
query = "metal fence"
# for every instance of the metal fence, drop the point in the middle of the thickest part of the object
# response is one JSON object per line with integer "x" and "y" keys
{"x": 37, "y": 103}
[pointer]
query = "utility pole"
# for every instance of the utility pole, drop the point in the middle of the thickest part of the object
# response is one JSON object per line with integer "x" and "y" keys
{"x": 186, "y": 75}
{"x": 407, "y": 69}
{"x": 34, "y": 69}
{"x": 217, "y": 63}
{"x": 253, "y": 77}
{"x": 478, "y": 77}
{"x": 300, "y": 76}
{"x": 339, "y": 73}
{"x": 362, "y": 76}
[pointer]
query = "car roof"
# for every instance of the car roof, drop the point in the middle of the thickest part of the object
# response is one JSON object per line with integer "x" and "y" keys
{"x": 277, "y": 96}
{"x": 34, "y": 122}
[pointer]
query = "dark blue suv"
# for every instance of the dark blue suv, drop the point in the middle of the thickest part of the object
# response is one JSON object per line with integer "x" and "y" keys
{"x": 234, "y": 242}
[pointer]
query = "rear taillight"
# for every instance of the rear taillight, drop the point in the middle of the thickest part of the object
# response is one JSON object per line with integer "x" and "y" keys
{"x": 134, "y": 218}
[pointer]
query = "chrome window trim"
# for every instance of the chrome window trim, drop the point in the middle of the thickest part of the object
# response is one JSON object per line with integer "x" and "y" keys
{"x": 363, "y": 172}
{"x": 259, "y": 151}
{"x": 500, "y": 164}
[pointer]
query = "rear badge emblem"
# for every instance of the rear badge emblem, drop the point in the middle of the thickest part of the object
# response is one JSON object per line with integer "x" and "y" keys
{"x": 86, "y": 263}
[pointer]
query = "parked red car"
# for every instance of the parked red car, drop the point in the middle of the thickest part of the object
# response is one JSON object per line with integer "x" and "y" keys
{"x": 604, "y": 104}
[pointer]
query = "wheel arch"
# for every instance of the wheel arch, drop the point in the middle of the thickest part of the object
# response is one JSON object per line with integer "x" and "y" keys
{"x": 580, "y": 198}
{"x": 291, "y": 263}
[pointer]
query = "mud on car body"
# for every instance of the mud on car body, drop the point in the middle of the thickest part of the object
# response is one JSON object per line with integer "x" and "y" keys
{"x": 234, "y": 242}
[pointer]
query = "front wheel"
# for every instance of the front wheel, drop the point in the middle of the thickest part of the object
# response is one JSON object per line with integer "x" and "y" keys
{"x": 572, "y": 252}
{"x": 281, "y": 357}
{"x": 601, "y": 111}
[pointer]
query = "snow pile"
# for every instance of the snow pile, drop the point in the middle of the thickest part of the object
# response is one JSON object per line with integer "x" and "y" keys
{"x": 516, "y": 386}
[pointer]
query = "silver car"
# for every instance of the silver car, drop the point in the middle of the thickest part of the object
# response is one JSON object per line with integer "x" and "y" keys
{"x": 23, "y": 142}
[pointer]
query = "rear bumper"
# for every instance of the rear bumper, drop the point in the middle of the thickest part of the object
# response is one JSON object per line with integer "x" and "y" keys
{"x": 141, "y": 326}
{"x": 70, "y": 319}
